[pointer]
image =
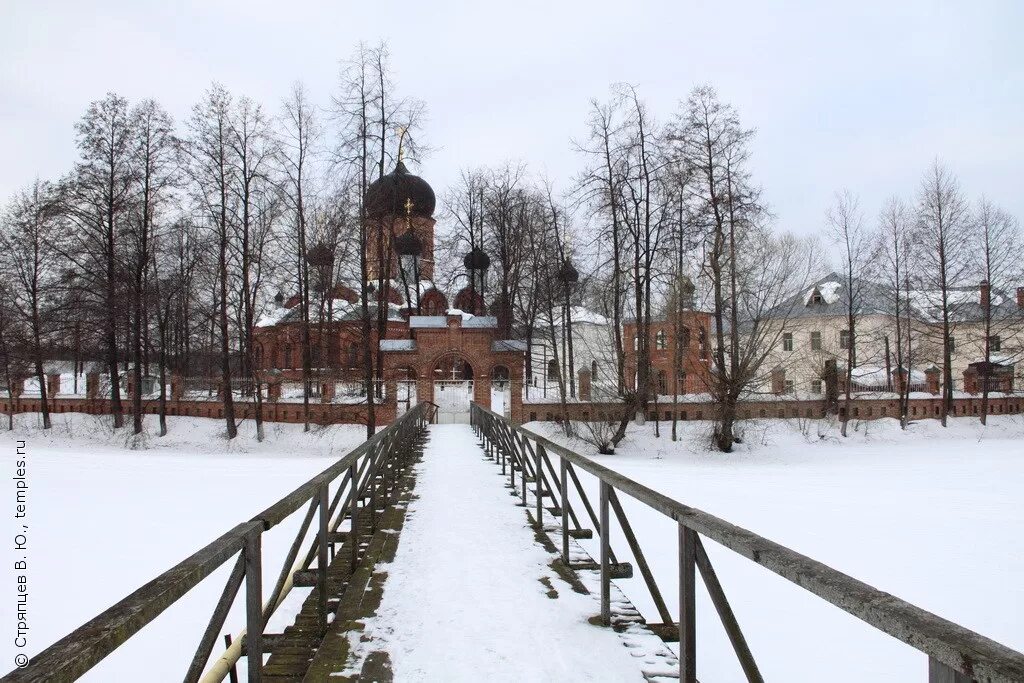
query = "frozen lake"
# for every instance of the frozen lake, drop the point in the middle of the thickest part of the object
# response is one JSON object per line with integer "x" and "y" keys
{"x": 932, "y": 516}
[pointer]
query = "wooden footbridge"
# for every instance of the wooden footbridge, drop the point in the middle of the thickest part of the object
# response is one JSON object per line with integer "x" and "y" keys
{"x": 351, "y": 515}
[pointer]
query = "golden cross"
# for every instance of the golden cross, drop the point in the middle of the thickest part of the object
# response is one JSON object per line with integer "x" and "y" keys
{"x": 408, "y": 205}
{"x": 402, "y": 130}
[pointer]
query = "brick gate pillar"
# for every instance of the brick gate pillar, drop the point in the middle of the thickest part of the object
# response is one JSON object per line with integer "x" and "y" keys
{"x": 931, "y": 376}
{"x": 584, "y": 385}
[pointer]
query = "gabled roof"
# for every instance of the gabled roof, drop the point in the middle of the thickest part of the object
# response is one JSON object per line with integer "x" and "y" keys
{"x": 502, "y": 345}
{"x": 828, "y": 297}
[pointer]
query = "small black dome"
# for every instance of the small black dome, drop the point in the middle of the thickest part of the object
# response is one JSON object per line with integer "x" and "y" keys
{"x": 477, "y": 259}
{"x": 319, "y": 255}
{"x": 387, "y": 195}
{"x": 408, "y": 245}
{"x": 567, "y": 273}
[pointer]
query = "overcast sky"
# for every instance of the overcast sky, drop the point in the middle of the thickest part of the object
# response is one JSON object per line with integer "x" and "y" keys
{"x": 860, "y": 94}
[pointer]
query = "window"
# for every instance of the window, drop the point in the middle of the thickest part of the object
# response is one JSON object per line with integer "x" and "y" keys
{"x": 787, "y": 341}
{"x": 844, "y": 339}
{"x": 681, "y": 379}
{"x": 661, "y": 340}
{"x": 636, "y": 343}
{"x": 816, "y": 297}
{"x": 593, "y": 370}
{"x": 952, "y": 344}
{"x": 815, "y": 341}
{"x": 993, "y": 342}
{"x": 662, "y": 383}
{"x": 684, "y": 338}
{"x": 788, "y": 387}
{"x": 287, "y": 355}
{"x": 552, "y": 370}
{"x": 816, "y": 386}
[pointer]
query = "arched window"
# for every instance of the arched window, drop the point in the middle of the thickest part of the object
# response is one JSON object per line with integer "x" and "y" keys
{"x": 593, "y": 370}
{"x": 553, "y": 369}
{"x": 662, "y": 382}
{"x": 353, "y": 355}
{"x": 287, "y": 356}
{"x": 660, "y": 340}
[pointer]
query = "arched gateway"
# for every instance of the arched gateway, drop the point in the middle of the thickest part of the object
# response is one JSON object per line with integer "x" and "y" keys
{"x": 453, "y": 388}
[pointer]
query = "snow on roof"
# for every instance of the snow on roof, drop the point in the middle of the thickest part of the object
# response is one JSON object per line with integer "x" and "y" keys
{"x": 829, "y": 292}
{"x": 422, "y": 321}
{"x": 870, "y": 376}
{"x": 272, "y": 317}
{"x": 508, "y": 345}
{"x": 579, "y": 314}
{"x": 480, "y": 321}
{"x": 397, "y": 344}
{"x": 873, "y": 376}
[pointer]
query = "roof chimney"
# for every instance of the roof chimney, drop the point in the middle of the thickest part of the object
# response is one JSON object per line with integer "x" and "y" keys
{"x": 986, "y": 294}
{"x": 1020, "y": 297}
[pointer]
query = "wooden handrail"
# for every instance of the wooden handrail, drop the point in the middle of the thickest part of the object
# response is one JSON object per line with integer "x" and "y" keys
{"x": 73, "y": 655}
{"x": 962, "y": 650}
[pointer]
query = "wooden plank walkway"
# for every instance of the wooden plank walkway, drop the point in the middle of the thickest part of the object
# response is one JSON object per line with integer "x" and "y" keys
{"x": 294, "y": 651}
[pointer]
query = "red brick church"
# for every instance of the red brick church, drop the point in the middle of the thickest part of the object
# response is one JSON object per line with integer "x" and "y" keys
{"x": 430, "y": 351}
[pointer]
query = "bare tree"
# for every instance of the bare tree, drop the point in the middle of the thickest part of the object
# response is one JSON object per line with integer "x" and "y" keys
{"x": 601, "y": 185}
{"x": 154, "y": 158}
{"x": 252, "y": 154}
{"x": 26, "y": 248}
{"x": 752, "y": 275}
{"x": 894, "y": 246}
{"x": 943, "y": 222}
{"x": 212, "y": 173}
{"x": 8, "y": 362}
{"x": 96, "y": 198}
{"x": 998, "y": 248}
{"x": 846, "y": 226}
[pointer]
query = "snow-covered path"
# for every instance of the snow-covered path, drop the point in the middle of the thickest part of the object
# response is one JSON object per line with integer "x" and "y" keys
{"x": 464, "y": 598}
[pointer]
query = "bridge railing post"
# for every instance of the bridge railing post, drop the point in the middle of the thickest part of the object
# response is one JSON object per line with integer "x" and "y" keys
{"x": 322, "y": 561}
{"x": 537, "y": 464}
{"x": 254, "y": 605}
{"x": 687, "y": 605}
{"x": 564, "y": 481}
{"x": 606, "y": 576}
{"x": 354, "y": 518}
{"x": 940, "y": 673}
{"x": 521, "y": 455}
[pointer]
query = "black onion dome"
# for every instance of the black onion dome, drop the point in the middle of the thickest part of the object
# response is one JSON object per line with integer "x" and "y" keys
{"x": 477, "y": 259}
{"x": 387, "y": 195}
{"x": 568, "y": 273}
{"x": 408, "y": 245}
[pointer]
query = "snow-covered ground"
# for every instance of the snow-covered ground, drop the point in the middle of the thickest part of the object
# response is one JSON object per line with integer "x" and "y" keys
{"x": 104, "y": 519}
{"x": 464, "y": 599}
{"x": 932, "y": 515}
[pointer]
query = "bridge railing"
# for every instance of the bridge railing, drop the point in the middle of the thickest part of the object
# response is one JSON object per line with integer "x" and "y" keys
{"x": 955, "y": 654}
{"x": 331, "y": 497}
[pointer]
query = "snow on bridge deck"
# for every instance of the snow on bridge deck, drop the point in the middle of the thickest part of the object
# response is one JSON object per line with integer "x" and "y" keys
{"x": 464, "y": 598}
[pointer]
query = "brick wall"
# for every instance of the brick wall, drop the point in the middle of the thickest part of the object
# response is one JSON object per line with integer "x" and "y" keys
{"x": 860, "y": 409}
{"x": 272, "y": 412}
